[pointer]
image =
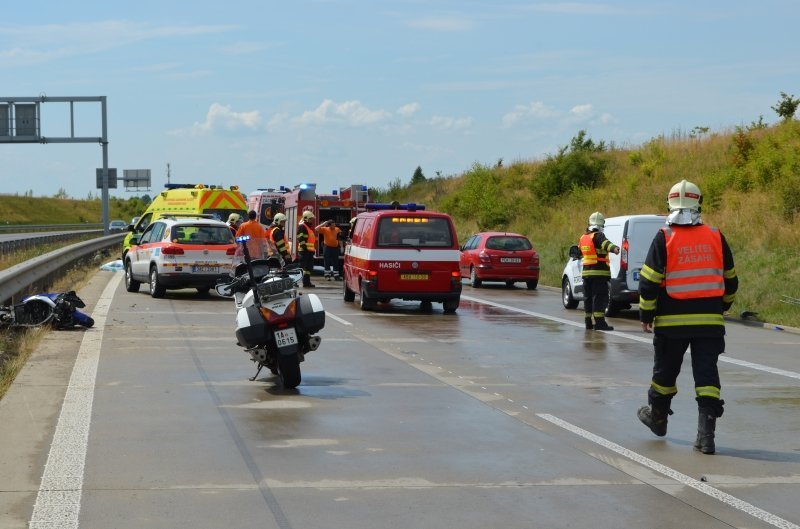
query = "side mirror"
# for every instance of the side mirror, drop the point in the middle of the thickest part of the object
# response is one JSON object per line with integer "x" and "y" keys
{"x": 574, "y": 252}
{"x": 224, "y": 290}
{"x": 130, "y": 227}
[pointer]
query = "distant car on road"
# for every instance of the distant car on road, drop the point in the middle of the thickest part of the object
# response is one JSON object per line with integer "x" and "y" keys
{"x": 117, "y": 225}
{"x": 500, "y": 256}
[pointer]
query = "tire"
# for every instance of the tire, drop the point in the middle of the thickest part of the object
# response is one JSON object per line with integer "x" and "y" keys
{"x": 88, "y": 323}
{"x": 473, "y": 278}
{"x": 203, "y": 291}
{"x": 289, "y": 370}
{"x": 366, "y": 303}
{"x": 614, "y": 307}
{"x": 510, "y": 284}
{"x": 567, "y": 298}
{"x": 426, "y": 306}
{"x": 532, "y": 284}
{"x": 131, "y": 285}
{"x": 348, "y": 294}
{"x": 450, "y": 306}
{"x": 157, "y": 290}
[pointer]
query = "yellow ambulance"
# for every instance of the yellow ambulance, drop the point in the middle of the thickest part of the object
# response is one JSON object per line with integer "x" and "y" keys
{"x": 188, "y": 199}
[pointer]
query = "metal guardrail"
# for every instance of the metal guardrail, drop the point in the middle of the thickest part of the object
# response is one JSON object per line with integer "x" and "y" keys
{"x": 23, "y": 228}
{"x": 19, "y": 280}
{"x": 23, "y": 243}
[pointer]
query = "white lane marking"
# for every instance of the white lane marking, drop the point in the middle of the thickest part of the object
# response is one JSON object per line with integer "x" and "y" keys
{"x": 717, "y": 494}
{"x": 728, "y": 359}
{"x": 337, "y": 318}
{"x": 58, "y": 502}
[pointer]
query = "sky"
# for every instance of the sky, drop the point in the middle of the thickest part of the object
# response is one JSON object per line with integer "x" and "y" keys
{"x": 261, "y": 93}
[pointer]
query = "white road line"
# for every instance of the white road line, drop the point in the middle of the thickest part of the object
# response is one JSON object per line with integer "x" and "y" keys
{"x": 58, "y": 503}
{"x": 717, "y": 494}
{"x": 642, "y": 339}
{"x": 337, "y": 318}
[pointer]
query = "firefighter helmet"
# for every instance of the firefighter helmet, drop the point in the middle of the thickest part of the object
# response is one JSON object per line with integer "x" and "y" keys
{"x": 684, "y": 195}
{"x": 278, "y": 218}
{"x": 307, "y": 215}
{"x": 597, "y": 219}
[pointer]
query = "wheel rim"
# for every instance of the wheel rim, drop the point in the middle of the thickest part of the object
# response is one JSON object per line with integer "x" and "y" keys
{"x": 565, "y": 294}
{"x": 153, "y": 281}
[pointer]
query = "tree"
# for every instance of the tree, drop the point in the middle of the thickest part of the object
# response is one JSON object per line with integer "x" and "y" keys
{"x": 418, "y": 177}
{"x": 786, "y": 107}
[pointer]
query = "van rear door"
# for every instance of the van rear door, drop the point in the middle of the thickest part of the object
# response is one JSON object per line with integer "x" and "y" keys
{"x": 639, "y": 235}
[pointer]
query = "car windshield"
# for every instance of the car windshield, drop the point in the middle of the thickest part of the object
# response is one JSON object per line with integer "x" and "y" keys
{"x": 509, "y": 244}
{"x": 200, "y": 234}
{"x": 430, "y": 232}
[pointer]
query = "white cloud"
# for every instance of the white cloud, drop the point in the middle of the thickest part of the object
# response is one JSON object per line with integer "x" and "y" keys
{"x": 221, "y": 117}
{"x": 581, "y": 112}
{"x": 350, "y": 112}
{"x": 443, "y": 23}
{"x": 534, "y": 110}
{"x": 408, "y": 110}
{"x": 448, "y": 123}
{"x": 586, "y": 114}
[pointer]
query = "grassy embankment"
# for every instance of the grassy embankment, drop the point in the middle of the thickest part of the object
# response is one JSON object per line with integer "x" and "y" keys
{"x": 750, "y": 179}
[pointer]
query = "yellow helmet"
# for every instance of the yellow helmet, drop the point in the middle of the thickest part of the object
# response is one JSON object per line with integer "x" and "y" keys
{"x": 307, "y": 215}
{"x": 684, "y": 195}
{"x": 278, "y": 218}
{"x": 597, "y": 219}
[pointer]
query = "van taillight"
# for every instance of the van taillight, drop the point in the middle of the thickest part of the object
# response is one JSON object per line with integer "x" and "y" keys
{"x": 372, "y": 274}
{"x": 623, "y": 255}
{"x": 456, "y": 274}
{"x": 172, "y": 250}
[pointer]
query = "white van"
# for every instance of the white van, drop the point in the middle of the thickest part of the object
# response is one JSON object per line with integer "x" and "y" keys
{"x": 633, "y": 234}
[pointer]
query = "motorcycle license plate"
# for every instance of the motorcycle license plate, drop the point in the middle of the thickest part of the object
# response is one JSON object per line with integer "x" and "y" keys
{"x": 414, "y": 277}
{"x": 510, "y": 259}
{"x": 201, "y": 269}
{"x": 286, "y": 337}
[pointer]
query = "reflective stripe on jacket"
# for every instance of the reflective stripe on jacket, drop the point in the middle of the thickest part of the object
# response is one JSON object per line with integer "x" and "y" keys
{"x": 694, "y": 267}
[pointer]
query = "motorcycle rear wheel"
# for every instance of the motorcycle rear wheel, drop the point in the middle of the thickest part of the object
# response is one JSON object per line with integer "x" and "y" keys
{"x": 289, "y": 370}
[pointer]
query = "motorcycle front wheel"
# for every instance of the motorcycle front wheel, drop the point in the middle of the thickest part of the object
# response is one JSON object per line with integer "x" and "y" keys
{"x": 289, "y": 370}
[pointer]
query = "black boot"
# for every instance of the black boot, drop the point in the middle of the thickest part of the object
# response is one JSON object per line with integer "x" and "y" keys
{"x": 601, "y": 325}
{"x": 654, "y": 418}
{"x": 589, "y": 325}
{"x": 706, "y": 424}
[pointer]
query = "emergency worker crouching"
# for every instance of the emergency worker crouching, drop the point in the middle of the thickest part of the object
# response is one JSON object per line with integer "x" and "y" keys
{"x": 276, "y": 236}
{"x": 596, "y": 273}
{"x": 686, "y": 284}
{"x": 306, "y": 244}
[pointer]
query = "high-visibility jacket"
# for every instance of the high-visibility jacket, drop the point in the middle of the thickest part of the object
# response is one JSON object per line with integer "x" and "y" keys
{"x": 595, "y": 249}
{"x": 694, "y": 262}
{"x": 306, "y": 238}
{"x": 278, "y": 238}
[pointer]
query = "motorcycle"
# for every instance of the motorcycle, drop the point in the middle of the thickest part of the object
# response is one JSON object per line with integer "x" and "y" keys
{"x": 59, "y": 309}
{"x": 275, "y": 323}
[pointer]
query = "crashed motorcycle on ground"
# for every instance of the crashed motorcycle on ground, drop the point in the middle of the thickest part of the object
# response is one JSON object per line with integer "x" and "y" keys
{"x": 58, "y": 309}
{"x": 275, "y": 323}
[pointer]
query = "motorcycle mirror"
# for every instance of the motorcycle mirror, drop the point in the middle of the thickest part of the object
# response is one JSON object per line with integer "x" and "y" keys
{"x": 224, "y": 290}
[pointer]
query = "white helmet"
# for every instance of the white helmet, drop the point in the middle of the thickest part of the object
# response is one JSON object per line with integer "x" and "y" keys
{"x": 684, "y": 195}
{"x": 307, "y": 215}
{"x": 278, "y": 218}
{"x": 597, "y": 219}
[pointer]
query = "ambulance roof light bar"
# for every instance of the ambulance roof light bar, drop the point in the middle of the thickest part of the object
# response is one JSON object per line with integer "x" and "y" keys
{"x": 395, "y": 206}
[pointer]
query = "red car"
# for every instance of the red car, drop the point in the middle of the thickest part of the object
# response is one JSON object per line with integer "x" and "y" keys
{"x": 499, "y": 256}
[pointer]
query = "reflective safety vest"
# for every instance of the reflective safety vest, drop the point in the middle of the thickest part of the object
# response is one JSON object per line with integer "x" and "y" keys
{"x": 282, "y": 245}
{"x": 306, "y": 238}
{"x": 694, "y": 267}
{"x": 589, "y": 251}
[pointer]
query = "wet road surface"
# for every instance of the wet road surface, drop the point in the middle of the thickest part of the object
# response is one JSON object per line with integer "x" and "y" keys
{"x": 507, "y": 413}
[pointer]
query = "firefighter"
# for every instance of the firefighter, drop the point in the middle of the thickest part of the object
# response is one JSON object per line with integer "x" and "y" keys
{"x": 596, "y": 273}
{"x": 234, "y": 221}
{"x": 277, "y": 236}
{"x": 686, "y": 284}
{"x": 306, "y": 241}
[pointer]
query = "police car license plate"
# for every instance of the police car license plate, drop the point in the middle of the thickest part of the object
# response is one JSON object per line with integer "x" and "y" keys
{"x": 286, "y": 337}
{"x": 510, "y": 259}
{"x": 414, "y": 277}
{"x": 205, "y": 268}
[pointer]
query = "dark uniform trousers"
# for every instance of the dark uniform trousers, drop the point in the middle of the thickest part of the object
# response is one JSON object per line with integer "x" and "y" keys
{"x": 669, "y": 352}
{"x": 595, "y": 290}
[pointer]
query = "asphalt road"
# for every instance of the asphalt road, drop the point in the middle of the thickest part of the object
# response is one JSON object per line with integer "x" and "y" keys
{"x": 506, "y": 414}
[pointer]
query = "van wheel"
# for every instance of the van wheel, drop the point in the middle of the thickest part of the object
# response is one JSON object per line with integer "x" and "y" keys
{"x": 450, "y": 306}
{"x": 510, "y": 284}
{"x": 614, "y": 307}
{"x": 157, "y": 290}
{"x": 366, "y": 303}
{"x": 567, "y": 298}
{"x": 348, "y": 294}
{"x": 203, "y": 291}
{"x": 532, "y": 284}
{"x": 131, "y": 285}
{"x": 473, "y": 278}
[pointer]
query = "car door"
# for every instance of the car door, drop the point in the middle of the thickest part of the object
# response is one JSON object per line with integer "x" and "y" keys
{"x": 144, "y": 250}
{"x": 466, "y": 255}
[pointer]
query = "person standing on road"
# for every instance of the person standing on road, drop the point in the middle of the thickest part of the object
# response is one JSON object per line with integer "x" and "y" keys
{"x": 234, "y": 221}
{"x": 277, "y": 237}
{"x": 331, "y": 239}
{"x": 306, "y": 241}
{"x": 686, "y": 284}
{"x": 596, "y": 273}
{"x": 258, "y": 236}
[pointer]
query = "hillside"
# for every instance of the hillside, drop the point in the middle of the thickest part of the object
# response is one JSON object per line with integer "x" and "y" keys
{"x": 16, "y": 209}
{"x": 750, "y": 179}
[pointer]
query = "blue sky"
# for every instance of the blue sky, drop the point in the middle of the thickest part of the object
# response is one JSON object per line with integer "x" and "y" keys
{"x": 339, "y": 92}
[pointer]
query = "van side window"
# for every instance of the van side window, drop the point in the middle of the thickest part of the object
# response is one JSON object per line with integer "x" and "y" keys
{"x": 144, "y": 222}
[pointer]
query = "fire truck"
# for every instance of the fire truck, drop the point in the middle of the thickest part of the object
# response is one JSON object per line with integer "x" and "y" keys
{"x": 266, "y": 203}
{"x": 340, "y": 206}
